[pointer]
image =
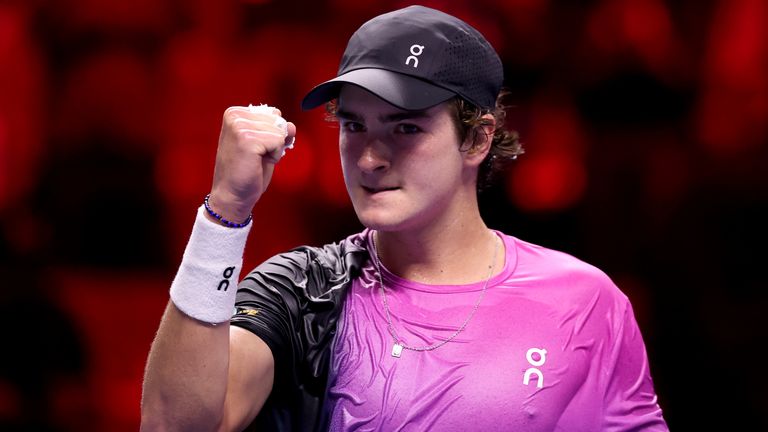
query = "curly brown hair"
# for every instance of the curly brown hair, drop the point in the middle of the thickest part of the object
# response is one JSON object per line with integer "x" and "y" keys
{"x": 506, "y": 145}
{"x": 469, "y": 122}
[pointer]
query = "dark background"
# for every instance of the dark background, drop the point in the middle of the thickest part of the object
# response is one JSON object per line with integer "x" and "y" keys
{"x": 645, "y": 124}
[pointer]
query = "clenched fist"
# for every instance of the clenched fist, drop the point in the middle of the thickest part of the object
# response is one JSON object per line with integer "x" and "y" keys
{"x": 252, "y": 141}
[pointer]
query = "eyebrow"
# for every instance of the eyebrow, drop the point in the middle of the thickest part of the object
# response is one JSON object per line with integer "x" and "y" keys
{"x": 386, "y": 118}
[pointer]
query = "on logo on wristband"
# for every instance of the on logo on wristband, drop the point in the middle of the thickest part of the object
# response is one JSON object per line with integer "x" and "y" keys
{"x": 224, "y": 284}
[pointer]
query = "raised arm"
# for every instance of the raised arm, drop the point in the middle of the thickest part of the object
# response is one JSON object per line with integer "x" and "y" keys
{"x": 201, "y": 373}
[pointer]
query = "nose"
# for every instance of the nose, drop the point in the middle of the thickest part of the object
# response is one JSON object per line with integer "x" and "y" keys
{"x": 373, "y": 158}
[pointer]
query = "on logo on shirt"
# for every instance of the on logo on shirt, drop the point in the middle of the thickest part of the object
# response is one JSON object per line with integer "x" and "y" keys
{"x": 542, "y": 353}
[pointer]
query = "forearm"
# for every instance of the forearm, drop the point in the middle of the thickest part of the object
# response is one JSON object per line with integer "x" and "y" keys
{"x": 186, "y": 378}
{"x": 185, "y": 384}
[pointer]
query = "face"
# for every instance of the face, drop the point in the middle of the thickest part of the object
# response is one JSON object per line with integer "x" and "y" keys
{"x": 403, "y": 169}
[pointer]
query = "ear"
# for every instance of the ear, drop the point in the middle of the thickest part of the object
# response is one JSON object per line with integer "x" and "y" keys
{"x": 479, "y": 142}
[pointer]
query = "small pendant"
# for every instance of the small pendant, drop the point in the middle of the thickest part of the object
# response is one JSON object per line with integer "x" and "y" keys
{"x": 397, "y": 349}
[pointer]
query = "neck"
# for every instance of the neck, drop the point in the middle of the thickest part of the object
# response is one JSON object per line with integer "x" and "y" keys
{"x": 456, "y": 251}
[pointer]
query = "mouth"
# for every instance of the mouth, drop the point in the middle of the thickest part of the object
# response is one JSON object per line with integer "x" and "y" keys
{"x": 375, "y": 190}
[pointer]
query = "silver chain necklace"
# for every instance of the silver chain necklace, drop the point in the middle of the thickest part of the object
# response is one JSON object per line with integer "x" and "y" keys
{"x": 399, "y": 345}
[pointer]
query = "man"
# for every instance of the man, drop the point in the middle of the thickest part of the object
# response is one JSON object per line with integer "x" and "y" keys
{"x": 427, "y": 320}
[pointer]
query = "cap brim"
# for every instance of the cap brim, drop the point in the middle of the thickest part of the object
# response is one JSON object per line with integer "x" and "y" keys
{"x": 403, "y": 91}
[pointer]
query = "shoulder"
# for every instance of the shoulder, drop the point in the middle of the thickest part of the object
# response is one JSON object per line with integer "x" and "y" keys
{"x": 314, "y": 269}
{"x": 335, "y": 257}
{"x": 561, "y": 275}
{"x": 532, "y": 257}
{"x": 305, "y": 284}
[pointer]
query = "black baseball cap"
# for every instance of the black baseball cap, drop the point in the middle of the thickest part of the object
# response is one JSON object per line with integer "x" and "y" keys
{"x": 415, "y": 58}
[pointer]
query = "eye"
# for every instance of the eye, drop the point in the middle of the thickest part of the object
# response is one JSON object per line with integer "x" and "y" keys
{"x": 407, "y": 128}
{"x": 353, "y": 126}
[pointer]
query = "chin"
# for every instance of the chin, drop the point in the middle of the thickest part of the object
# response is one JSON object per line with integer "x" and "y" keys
{"x": 387, "y": 222}
{"x": 380, "y": 221}
{"x": 378, "y": 224}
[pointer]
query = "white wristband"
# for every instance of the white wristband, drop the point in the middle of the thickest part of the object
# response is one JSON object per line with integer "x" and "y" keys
{"x": 206, "y": 283}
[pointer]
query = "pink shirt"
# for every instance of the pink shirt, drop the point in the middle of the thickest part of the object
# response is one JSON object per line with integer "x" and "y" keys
{"x": 554, "y": 346}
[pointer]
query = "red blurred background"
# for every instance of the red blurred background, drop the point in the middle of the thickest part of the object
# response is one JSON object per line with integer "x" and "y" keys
{"x": 645, "y": 124}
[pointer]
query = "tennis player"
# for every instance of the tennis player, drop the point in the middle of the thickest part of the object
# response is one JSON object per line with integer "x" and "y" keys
{"x": 427, "y": 319}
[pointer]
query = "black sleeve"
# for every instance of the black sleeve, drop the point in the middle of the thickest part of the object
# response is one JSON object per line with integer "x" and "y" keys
{"x": 293, "y": 302}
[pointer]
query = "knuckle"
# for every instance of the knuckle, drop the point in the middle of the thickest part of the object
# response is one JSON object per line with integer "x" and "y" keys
{"x": 231, "y": 115}
{"x": 242, "y": 122}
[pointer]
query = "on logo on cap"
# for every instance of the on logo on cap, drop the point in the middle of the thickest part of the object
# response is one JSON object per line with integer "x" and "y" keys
{"x": 415, "y": 55}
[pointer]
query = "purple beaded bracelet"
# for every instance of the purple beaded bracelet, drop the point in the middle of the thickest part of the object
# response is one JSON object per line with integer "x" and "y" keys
{"x": 221, "y": 218}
